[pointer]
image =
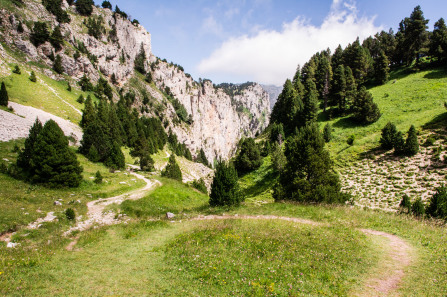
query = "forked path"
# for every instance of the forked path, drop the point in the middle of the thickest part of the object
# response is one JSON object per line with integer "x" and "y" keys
{"x": 385, "y": 280}
{"x": 95, "y": 212}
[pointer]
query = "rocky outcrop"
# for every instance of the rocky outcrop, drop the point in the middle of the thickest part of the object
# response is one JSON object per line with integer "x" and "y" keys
{"x": 216, "y": 120}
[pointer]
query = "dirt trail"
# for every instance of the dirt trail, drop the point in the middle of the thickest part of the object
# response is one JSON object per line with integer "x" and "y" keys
{"x": 96, "y": 215}
{"x": 383, "y": 282}
{"x": 34, "y": 225}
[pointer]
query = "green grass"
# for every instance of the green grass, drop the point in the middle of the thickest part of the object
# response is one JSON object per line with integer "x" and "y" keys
{"x": 22, "y": 203}
{"x": 257, "y": 185}
{"x": 407, "y": 99}
{"x": 173, "y": 197}
{"x": 23, "y": 91}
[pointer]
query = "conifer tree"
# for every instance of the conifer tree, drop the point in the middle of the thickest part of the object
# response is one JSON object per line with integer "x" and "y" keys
{"x": 399, "y": 144}
{"x": 33, "y": 77}
{"x": 323, "y": 78}
{"x": 297, "y": 82}
{"x": 89, "y": 113}
{"x": 57, "y": 66}
{"x": 17, "y": 70}
{"x": 412, "y": 144}
{"x": 24, "y": 157}
{"x": 338, "y": 89}
{"x": 310, "y": 103}
{"x": 382, "y": 68}
{"x": 4, "y": 98}
{"x": 52, "y": 162}
{"x": 351, "y": 88}
{"x": 84, "y": 7}
{"x": 277, "y": 133}
{"x": 249, "y": 157}
{"x": 438, "y": 41}
{"x": 337, "y": 58}
{"x": 438, "y": 204}
{"x": 286, "y": 108}
{"x": 172, "y": 170}
{"x": 416, "y": 35}
{"x": 308, "y": 174}
{"x": 225, "y": 189}
{"x": 40, "y": 33}
{"x": 388, "y": 136}
{"x": 327, "y": 132}
{"x": 115, "y": 157}
{"x": 56, "y": 38}
{"x": 140, "y": 60}
{"x": 201, "y": 158}
{"x": 365, "y": 110}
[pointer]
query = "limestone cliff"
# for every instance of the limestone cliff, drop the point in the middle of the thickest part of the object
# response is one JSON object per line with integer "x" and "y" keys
{"x": 216, "y": 119}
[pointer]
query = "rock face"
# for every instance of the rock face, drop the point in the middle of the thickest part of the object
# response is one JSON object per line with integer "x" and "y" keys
{"x": 273, "y": 92}
{"x": 216, "y": 120}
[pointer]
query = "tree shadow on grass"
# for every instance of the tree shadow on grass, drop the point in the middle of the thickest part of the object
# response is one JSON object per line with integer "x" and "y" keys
{"x": 266, "y": 183}
{"x": 436, "y": 74}
{"x": 346, "y": 123}
{"x": 438, "y": 122}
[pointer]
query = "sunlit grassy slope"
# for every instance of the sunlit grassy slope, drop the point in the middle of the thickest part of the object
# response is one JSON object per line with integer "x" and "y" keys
{"x": 407, "y": 99}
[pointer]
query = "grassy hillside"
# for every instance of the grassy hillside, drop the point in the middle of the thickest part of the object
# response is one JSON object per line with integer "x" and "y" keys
{"x": 407, "y": 99}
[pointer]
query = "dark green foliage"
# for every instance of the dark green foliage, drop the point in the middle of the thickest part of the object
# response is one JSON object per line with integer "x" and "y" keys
{"x": 359, "y": 60}
{"x": 327, "y": 132}
{"x": 106, "y": 4}
{"x": 399, "y": 144}
{"x": 201, "y": 158}
{"x": 415, "y": 35}
{"x": 365, "y": 110}
{"x": 4, "y": 98}
{"x": 310, "y": 102}
{"x": 113, "y": 79}
{"x": 412, "y": 144}
{"x": 115, "y": 157}
{"x": 103, "y": 89}
{"x": 438, "y": 41}
{"x": 172, "y": 170}
{"x": 50, "y": 159}
{"x": 323, "y": 77}
{"x": 308, "y": 175}
{"x": 57, "y": 66}
{"x": 40, "y": 33}
{"x": 146, "y": 163}
{"x": 70, "y": 214}
{"x": 277, "y": 133}
{"x": 200, "y": 185}
{"x": 338, "y": 89}
{"x": 278, "y": 158}
{"x": 80, "y": 99}
{"x": 287, "y": 109}
{"x": 54, "y": 7}
{"x": 68, "y": 87}
{"x": 225, "y": 187}
{"x": 84, "y": 7}
{"x": 405, "y": 203}
{"x": 135, "y": 22}
{"x": 351, "y": 140}
{"x": 17, "y": 70}
{"x": 438, "y": 204}
{"x": 24, "y": 157}
{"x": 388, "y": 136}
{"x": 56, "y": 38}
{"x": 119, "y": 12}
{"x": 249, "y": 157}
{"x": 148, "y": 77}
{"x": 33, "y": 77}
{"x": 20, "y": 28}
{"x": 98, "y": 178}
{"x": 85, "y": 84}
{"x": 95, "y": 27}
{"x": 418, "y": 208}
{"x": 382, "y": 68}
{"x": 140, "y": 61}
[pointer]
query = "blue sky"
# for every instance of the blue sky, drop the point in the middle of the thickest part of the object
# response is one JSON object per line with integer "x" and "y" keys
{"x": 262, "y": 40}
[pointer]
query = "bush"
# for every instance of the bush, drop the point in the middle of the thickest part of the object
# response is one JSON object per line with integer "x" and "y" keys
{"x": 17, "y": 70}
{"x": 405, "y": 203}
{"x": 98, "y": 178}
{"x": 327, "y": 132}
{"x": 351, "y": 140}
{"x": 412, "y": 144}
{"x": 430, "y": 141}
{"x": 388, "y": 136}
{"x": 54, "y": 7}
{"x": 418, "y": 208}
{"x": 106, "y": 4}
{"x": 80, "y": 99}
{"x": 438, "y": 204}
{"x": 172, "y": 170}
{"x": 399, "y": 144}
{"x": 57, "y": 66}
{"x": 70, "y": 214}
{"x": 4, "y": 98}
{"x": 200, "y": 185}
{"x": 40, "y": 34}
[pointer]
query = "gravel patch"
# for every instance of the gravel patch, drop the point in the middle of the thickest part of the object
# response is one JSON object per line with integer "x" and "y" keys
{"x": 17, "y": 125}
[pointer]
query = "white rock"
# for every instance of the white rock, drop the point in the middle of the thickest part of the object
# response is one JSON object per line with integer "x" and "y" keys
{"x": 170, "y": 215}
{"x": 58, "y": 203}
{"x": 12, "y": 245}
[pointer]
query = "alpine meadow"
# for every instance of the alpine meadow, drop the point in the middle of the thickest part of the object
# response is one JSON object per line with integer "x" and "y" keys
{"x": 123, "y": 175}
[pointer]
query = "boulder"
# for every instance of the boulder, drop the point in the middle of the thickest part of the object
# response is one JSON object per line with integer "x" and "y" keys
{"x": 170, "y": 215}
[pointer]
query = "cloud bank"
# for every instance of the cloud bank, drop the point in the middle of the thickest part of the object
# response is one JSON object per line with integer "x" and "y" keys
{"x": 270, "y": 57}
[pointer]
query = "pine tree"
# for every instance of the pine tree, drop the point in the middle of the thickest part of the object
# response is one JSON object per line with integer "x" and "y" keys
{"x": 225, "y": 187}
{"x": 4, "y": 98}
{"x": 382, "y": 68}
{"x": 278, "y": 158}
{"x": 57, "y": 39}
{"x": 412, "y": 144}
{"x": 388, "y": 136}
{"x": 80, "y": 99}
{"x": 172, "y": 170}
{"x": 84, "y": 7}
{"x": 323, "y": 78}
{"x": 338, "y": 89}
{"x": 88, "y": 114}
{"x": 146, "y": 162}
{"x": 40, "y": 33}
{"x": 17, "y": 70}
{"x": 98, "y": 178}
{"x": 337, "y": 58}
{"x": 399, "y": 144}
{"x": 438, "y": 41}
{"x": 327, "y": 133}
{"x": 201, "y": 158}
{"x": 308, "y": 174}
{"x": 33, "y": 77}
{"x": 416, "y": 35}
{"x": 52, "y": 161}
{"x": 140, "y": 60}
{"x": 351, "y": 88}
{"x": 438, "y": 204}
{"x": 20, "y": 28}
{"x": 297, "y": 82}
{"x": 365, "y": 110}
{"x": 24, "y": 157}
{"x": 115, "y": 157}
{"x": 57, "y": 66}
{"x": 310, "y": 103}
{"x": 249, "y": 157}
{"x": 277, "y": 133}
{"x": 286, "y": 108}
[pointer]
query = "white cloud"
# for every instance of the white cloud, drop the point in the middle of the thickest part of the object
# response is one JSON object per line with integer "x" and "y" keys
{"x": 271, "y": 56}
{"x": 211, "y": 26}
